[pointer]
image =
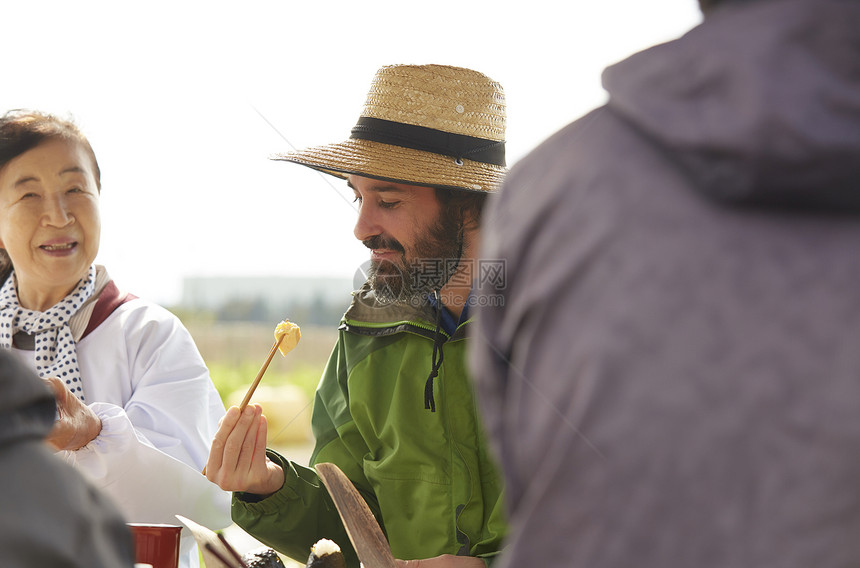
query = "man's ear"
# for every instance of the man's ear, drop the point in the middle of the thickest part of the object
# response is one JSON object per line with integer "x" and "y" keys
{"x": 471, "y": 221}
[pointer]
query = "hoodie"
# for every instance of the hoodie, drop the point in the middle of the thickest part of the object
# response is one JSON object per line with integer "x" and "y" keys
{"x": 669, "y": 375}
{"x": 50, "y": 515}
{"x": 760, "y": 105}
{"x": 27, "y": 407}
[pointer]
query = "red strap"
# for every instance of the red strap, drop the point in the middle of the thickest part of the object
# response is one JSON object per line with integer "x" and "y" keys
{"x": 109, "y": 300}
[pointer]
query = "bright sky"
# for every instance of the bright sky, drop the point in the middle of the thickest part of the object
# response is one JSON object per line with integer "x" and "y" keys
{"x": 183, "y": 102}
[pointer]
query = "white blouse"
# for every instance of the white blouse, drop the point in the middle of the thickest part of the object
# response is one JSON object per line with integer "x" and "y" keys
{"x": 145, "y": 379}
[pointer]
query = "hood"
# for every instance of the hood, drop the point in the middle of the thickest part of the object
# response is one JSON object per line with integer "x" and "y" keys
{"x": 760, "y": 103}
{"x": 377, "y": 317}
{"x": 27, "y": 406}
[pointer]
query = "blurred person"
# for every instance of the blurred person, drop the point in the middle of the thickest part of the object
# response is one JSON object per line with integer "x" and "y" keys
{"x": 51, "y": 516}
{"x": 395, "y": 408}
{"x": 673, "y": 378}
{"x": 136, "y": 407}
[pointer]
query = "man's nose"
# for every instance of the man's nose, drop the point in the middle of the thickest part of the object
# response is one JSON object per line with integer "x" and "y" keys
{"x": 366, "y": 225}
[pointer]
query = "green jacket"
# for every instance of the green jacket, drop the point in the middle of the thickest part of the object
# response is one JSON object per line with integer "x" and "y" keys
{"x": 427, "y": 476}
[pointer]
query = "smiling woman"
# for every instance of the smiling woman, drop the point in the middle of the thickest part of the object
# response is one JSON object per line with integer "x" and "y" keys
{"x": 136, "y": 407}
{"x": 49, "y": 219}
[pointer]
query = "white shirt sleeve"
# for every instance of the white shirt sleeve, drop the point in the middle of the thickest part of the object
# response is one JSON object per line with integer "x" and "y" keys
{"x": 146, "y": 483}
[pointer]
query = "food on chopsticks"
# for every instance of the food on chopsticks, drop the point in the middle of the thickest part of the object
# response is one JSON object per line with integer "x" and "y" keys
{"x": 326, "y": 554}
{"x": 287, "y": 335}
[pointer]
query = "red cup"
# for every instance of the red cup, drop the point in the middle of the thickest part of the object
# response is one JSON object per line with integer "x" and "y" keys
{"x": 156, "y": 544}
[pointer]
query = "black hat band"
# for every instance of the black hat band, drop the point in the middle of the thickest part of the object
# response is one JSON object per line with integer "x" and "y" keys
{"x": 458, "y": 146}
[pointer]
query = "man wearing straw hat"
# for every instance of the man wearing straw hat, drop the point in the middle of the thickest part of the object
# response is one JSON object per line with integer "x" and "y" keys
{"x": 395, "y": 408}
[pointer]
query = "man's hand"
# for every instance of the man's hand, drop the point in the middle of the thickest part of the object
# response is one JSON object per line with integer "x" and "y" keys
{"x": 444, "y": 561}
{"x": 77, "y": 424}
{"x": 237, "y": 459}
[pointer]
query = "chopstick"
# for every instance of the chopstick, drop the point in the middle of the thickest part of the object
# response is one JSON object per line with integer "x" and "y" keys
{"x": 231, "y": 550}
{"x": 220, "y": 557}
{"x": 259, "y": 376}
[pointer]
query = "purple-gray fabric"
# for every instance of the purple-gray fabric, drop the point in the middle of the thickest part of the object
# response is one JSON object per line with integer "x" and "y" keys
{"x": 49, "y": 514}
{"x": 673, "y": 377}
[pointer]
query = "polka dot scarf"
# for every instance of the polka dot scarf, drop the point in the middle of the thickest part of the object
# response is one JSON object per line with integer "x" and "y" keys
{"x": 56, "y": 354}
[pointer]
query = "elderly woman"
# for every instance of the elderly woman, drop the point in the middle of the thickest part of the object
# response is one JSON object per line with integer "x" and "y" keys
{"x": 136, "y": 407}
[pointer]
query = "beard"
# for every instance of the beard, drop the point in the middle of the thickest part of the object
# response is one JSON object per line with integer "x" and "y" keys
{"x": 427, "y": 267}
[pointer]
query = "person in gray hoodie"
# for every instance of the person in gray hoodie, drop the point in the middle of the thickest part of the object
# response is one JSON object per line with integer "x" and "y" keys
{"x": 670, "y": 374}
{"x": 50, "y": 515}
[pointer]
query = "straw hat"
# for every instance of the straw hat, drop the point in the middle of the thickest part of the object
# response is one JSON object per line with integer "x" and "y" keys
{"x": 430, "y": 125}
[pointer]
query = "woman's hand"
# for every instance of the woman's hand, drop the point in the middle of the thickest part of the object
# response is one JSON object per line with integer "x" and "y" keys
{"x": 237, "y": 459}
{"x": 444, "y": 561}
{"x": 77, "y": 424}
